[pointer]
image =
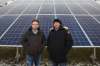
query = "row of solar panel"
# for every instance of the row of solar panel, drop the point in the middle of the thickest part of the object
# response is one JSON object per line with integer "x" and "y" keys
{"x": 48, "y": 8}
{"x": 90, "y": 26}
{"x": 82, "y": 28}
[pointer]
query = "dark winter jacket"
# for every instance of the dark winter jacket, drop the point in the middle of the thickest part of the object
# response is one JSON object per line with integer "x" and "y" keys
{"x": 33, "y": 43}
{"x": 59, "y": 44}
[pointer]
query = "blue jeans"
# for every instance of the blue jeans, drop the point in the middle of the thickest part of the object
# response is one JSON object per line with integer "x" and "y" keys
{"x": 32, "y": 60}
{"x": 60, "y": 64}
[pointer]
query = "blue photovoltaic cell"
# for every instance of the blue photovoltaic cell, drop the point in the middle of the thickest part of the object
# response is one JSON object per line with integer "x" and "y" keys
{"x": 62, "y": 9}
{"x": 90, "y": 9}
{"x": 33, "y": 9}
{"x": 91, "y": 27}
{"x": 76, "y": 9}
{"x": 13, "y": 36}
{"x": 47, "y": 9}
{"x": 5, "y": 21}
{"x": 98, "y": 18}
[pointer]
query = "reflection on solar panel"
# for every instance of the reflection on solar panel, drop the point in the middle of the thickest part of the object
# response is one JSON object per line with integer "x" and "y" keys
{"x": 81, "y": 16}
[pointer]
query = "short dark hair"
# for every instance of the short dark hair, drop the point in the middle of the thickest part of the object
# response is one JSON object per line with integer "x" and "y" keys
{"x": 35, "y": 20}
{"x": 57, "y": 20}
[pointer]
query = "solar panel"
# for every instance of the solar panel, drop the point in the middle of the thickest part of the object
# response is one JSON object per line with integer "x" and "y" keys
{"x": 33, "y": 9}
{"x": 81, "y": 16}
{"x": 91, "y": 27}
{"x": 47, "y": 9}
{"x": 76, "y": 9}
{"x": 97, "y": 17}
{"x": 62, "y": 9}
{"x": 5, "y": 21}
{"x": 90, "y": 9}
{"x": 13, "y": 36}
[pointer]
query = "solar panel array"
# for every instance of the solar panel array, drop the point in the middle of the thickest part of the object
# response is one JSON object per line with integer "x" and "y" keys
{"x": 81, "y": 16}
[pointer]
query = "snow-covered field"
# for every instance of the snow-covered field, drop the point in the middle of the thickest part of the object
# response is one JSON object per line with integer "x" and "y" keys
{"x": 5, "y": 2}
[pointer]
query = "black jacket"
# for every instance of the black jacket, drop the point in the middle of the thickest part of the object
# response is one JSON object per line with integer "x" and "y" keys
{"x": 33, "y": 43}
{"x": 59, "y": 44}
